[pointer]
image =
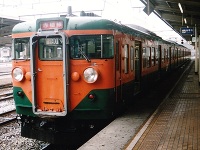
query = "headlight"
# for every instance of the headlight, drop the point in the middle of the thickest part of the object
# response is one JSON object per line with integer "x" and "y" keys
{"x": 90, "y": 75}
{"x": 18, "y": 74}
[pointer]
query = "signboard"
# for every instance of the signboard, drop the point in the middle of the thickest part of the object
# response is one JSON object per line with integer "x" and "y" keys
{"x": 53, "y": 41}
{"x": 187, "y": 31}
{"x": 49, "y": 25}
{"x": 194, "y": 39}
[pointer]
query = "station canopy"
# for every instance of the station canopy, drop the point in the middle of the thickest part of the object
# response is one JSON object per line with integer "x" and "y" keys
{"x": 6, "y": 26}
{"x": 181, "y": 15}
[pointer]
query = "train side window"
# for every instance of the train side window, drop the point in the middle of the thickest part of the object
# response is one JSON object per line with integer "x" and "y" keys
{"x": 168, "y": 54}
{"x": 21, "y": 48}
{"x": 163, "y": 55}
{"x": 153, "y": 56}
{"x": 179, "y": 53}
{"x": 176, "y": 53}
{"x": 126, "y": 58}
{"x": 144, "y": 59}
{"x": 148, "y": 56}
{"x": 182, "y": 53}
{"x": 50, "y": 48}
{"x": 156, "y": 56}
{"x": 93, "y": 46}
{"x": 132, "y": 58}
{"x": 172, "y": 55}
{"x": 108, "y": 49}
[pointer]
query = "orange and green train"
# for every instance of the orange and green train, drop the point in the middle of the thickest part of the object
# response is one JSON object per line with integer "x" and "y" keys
{"x": 71, "y": 72}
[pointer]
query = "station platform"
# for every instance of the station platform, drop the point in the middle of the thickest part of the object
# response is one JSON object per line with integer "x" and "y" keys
{"x": 175, "y": 125}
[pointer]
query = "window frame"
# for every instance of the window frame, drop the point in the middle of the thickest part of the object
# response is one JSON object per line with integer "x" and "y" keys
{"x": 102, "y": 53}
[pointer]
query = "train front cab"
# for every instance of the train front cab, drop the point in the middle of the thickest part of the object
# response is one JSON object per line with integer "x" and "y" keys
{"x": 42, "y": 95}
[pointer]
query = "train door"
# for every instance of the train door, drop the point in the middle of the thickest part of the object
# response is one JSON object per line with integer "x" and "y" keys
{"x": 137, "y": 84}
{"x": 49, "y": 69}
{"x": 118, "y": 77}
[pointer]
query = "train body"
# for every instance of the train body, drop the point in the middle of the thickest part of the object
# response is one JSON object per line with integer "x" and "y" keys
{"x": 73, "y": 72}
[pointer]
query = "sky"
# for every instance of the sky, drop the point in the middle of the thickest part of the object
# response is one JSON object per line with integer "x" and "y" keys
{"x": 124, "y": 11}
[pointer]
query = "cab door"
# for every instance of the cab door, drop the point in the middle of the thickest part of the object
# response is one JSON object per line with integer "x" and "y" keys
{"x": 49, "y": 70}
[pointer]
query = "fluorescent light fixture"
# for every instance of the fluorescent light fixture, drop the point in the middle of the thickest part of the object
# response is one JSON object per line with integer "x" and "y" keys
{"x": 185, "y": 20}
{"x": 180, "y": 7}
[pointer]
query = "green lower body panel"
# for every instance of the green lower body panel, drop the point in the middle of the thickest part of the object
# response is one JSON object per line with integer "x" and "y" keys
{"x": 102, "y": 106}
{"x": 22, "y": 103}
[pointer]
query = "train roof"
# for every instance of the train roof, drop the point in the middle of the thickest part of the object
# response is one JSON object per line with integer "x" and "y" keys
{"x": 101, "y": 23}
{"x": 89, "y": 23}
{"x": 24, "y": 27}
{"x": 141, "y": 29}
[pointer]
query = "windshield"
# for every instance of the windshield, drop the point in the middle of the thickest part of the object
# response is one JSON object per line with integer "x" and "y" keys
{"x": 51, "y": 48}
{"x": 91, "y": 46}
{"x": 22, "y": 48}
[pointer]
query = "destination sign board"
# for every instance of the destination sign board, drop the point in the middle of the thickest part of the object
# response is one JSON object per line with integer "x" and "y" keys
{"x": 49, "y": 25}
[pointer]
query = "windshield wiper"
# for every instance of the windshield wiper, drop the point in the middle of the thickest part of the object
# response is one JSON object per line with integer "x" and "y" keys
{"x": 83, "y": 54}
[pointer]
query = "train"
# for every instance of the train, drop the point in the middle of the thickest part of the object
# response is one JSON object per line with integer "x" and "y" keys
{"x": 70, "y": 73}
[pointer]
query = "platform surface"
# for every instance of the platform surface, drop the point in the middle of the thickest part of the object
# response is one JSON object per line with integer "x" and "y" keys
{"x": 176, "y": 122}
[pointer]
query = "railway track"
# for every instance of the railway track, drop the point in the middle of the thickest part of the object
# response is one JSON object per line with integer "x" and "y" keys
{"x": 5, "y": 73}
{"x": 7, "y": 117}
{"x": 8, "y": 85}
{"x": 7, "y": 109}
{"x": 6, "y": 96}
{"x": 6, "y": 92}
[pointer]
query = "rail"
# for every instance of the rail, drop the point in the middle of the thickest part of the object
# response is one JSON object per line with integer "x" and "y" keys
{"x": 8, "y": 85}
{"x": 7, "y": 117}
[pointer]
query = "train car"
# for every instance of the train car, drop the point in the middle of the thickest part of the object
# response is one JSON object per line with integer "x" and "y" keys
{"x": 76, "y": 72}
